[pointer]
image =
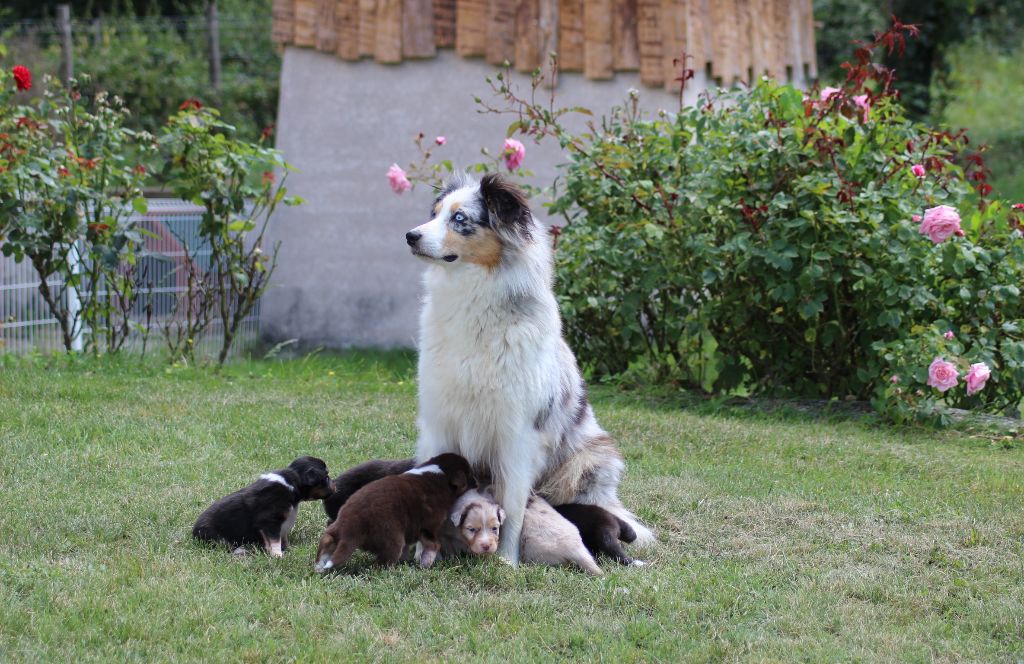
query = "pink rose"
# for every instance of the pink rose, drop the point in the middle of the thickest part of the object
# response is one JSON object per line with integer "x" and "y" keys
{"x": 977, "y": 377}
{"x": 514, "y": 152}
{"x": 863, "y": 103}
{"x": 894, "y": 379}
{"x": 948, "y": 335}
{"x": 940, "y": 222}
{"x": 440, "y": 140}
{"x": 1018, "y": 206}
{"x": 917, "y": 170}
{"x": 942, "y": 374}
{"x": 916, "y": 218}
{"x": 828, "y": 93}
{"x": 397, "y": 179}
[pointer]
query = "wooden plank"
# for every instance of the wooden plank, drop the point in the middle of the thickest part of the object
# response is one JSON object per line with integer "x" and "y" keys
{"x": 471, "y": 27}
{"x": 758, "y": 37}
{"x": 444, "y": 23}
{"x": 794, "y": 54}
{"x": 743, "y": 60}
{"x": 326, "y": 34}
{"x": 698, "y": 34}
{"x": 306, "y": 14}
{"x": 648, "y": 34}
{"x": 723, "y": 40}
{"x": 388, "y": 43}
{"x": 501, "y": 31}
{"x": 597, "y": 39}
{"x": 625, "y": 53}
{"x": 346, "y": 21}
{"x": 418, "y": 29}
{"x": 527, "y": 40}
{"x": 809, "y": 50}
{"x": 782, "y": 39}
{"x": 547, "y": 29}
{"x": 283, "y": 26}
{"x": 570, "y": 35}
{"x": 367, "y": 26}
{"x": 673, "y": 41}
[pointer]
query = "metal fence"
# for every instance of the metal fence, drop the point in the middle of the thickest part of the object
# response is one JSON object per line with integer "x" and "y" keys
{"x": 171, "y": 240}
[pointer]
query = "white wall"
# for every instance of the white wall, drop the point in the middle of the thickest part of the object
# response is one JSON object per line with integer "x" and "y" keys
{"x": 345, "y": 275}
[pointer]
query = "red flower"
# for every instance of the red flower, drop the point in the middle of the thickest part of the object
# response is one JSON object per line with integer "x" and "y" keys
{"x": 63, "y": 172}
{"x": 190, "y": 104}
{"x": 268, "y": 131}
{"x": 268, "y": 177}
{"x": 1018, "y": 206}
{"x": 99, "y": 228}
{"x": 140, "y": 169}
{"x": 22, "y": 77}
{"x": 87, "y": 164}
{"x": 29, "y": 123}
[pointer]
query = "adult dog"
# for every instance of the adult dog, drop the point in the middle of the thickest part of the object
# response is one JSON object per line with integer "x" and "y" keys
{"x": 497, "y": 383}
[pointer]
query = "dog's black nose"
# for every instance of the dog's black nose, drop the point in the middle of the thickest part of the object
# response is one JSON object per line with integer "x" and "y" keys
{"x": 412, "y": 237}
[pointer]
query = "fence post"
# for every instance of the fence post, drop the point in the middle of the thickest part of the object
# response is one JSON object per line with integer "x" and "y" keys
{"x": 213, "y": 36}
{"x": 67, "y": 68}
{"x": 67, "y": 71}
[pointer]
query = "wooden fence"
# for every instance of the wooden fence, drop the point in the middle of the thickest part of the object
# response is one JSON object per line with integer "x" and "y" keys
{"x": 733, "y": 40}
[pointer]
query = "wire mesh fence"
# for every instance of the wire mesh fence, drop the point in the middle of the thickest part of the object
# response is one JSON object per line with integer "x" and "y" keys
{"x": 172, "y": 246}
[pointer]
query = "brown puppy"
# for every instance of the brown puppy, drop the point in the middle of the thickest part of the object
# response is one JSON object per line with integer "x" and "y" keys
{"x": 601, "y": 531}
{"x": 386, "y": 516}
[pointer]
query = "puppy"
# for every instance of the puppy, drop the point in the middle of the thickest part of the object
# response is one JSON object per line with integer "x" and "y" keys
{"x": 547, "y": 538}
{"x": 600, "y": 530}
{"x": 387, "y": 515}
{"x": 474, "y": 525}
{"x": 357, "y": 477}
{"x": 264, "y": 512}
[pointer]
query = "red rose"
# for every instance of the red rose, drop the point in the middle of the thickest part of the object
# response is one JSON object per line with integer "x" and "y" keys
{"x": 140, "y": 169}
{"x": 268, "y": 177}
{"x": 22, "y": 77}
{"x": 268, "y": 131}
{"x": 190, "y": 104}
{"x": 63, "y": 172}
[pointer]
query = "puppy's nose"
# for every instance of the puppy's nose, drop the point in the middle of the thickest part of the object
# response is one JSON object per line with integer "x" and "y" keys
{"x": 412, "y": 237}
{"x": 485, "y": 547}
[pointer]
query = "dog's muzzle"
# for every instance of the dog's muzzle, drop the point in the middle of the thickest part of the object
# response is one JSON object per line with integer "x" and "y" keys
{"x": 412, "y": 237}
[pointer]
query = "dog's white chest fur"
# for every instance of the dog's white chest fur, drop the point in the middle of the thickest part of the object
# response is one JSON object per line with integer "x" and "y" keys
{"x": 486, "y": 360}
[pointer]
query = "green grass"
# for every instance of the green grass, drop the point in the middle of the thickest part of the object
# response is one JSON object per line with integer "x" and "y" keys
{"x": 781, "y": 537}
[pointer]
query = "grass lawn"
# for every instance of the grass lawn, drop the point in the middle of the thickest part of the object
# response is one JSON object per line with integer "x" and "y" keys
{"x": 781, "y": 538}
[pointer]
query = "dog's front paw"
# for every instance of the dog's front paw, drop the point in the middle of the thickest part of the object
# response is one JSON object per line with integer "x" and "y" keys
{"x": 324, "y": 565}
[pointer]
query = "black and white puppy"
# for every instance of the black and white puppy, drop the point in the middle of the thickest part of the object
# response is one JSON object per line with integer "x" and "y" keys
{"x": 356, "y": 477}
{"x": 264, "y": 512}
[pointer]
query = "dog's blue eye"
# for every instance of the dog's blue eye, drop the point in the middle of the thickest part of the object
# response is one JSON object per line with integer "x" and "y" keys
{"x": 459, "y": 217}
{"x": 494, "y": 530}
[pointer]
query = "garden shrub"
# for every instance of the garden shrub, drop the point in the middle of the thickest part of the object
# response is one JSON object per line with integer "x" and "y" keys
{"x": 771, "y": 241}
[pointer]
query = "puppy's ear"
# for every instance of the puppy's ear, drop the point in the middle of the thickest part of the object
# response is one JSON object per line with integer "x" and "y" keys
{"x": 501, "y": 515}
{"x": 459, "y": 480}
{"x": 507, "y": 207}
{"x": 459, "y": 518}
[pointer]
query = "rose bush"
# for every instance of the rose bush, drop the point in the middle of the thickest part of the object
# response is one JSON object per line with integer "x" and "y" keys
{"x": 774, "y": 242}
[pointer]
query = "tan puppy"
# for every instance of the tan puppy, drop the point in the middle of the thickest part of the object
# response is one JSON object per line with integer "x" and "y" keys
{"x": 547, "y": 538}
{"x": 475, "y": 524}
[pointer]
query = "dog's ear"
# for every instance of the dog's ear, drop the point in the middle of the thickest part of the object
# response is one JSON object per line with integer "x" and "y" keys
{"x": 459, "y": 518}
{"x": 507, "y": 207}
{"x": 501, "y": 515}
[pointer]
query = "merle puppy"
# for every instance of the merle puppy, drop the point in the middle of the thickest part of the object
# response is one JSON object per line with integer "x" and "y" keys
{"x": 387, "y": 515}
{"x": 264, "y": 512}
{"x": 601, "y": 530}
{"x": 356, "y": 477}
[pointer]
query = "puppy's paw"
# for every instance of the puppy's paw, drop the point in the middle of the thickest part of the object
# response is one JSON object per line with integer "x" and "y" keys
{"x": 241, "y": 552}
{"x": 324, "y": 565}
{"x": 636, "y": 562}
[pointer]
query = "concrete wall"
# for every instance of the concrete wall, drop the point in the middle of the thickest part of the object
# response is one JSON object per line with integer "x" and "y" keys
{"x": 345, "y": 276}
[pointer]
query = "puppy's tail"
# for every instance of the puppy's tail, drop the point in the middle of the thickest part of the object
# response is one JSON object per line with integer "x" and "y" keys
{"x": 642, "y": 535}
{"x": 626, "y": 532}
